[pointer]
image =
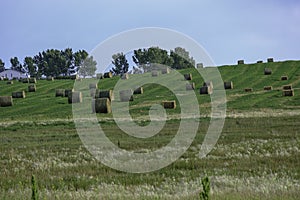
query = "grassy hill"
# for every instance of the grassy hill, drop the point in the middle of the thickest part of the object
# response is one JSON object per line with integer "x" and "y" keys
{"x": 43, "y": 104}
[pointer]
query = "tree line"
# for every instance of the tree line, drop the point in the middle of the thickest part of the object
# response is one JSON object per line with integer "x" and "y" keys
{"x": 144, "y": 59}
{"x": 53, "y": 62}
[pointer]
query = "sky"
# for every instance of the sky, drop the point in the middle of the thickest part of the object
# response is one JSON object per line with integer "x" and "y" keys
{"x": 228, "y": 30}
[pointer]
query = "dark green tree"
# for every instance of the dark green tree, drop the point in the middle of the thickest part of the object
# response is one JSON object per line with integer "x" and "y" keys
{"x": 120, "y": 64}
{"x": 2, "y": 65}
{"x": 88, "y": 67}
{"x": 30, "y": 67}
{"x": 181, "y": 58}
{"x": 79, "y": 58}
{"x": 15, "y": 64}
{"x": 39, "y": 63}
{"x": 70, "y": 61}
{"x": 146, "y": 59}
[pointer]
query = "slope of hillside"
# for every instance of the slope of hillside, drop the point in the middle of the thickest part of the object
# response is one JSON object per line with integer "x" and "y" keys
{"x": 43, "y": 105}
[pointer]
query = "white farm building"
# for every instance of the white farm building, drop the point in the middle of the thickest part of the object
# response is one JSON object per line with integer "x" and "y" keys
{"x": 13, "y": 74}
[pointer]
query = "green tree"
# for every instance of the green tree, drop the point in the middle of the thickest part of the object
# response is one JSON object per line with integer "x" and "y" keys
{"x": 120, "y": 64}
{"x": 88, "y": 67}
{"x": 29, "y": 66}
{"x": 70, "y": 61}
{"x": 181, "y": 58}
{"x": 2, "y": 65}
{"x": 15, "y": 64}
{"x": 79, "y": 58}
{"x": 146, "y": 59}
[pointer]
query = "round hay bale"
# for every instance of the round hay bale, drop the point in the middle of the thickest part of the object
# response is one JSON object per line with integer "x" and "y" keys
{"x": 20, "y": 94}
{"x": 259, "y": 61}
{"x": 248, "y": 89}
{"x": 287, "y": 87}
{"x": 75, "y": 97}
{"x": 154, "y": 73}
{"x": 270, "y": 60}
{"x": 99, "y": 76}
{"x": 209, "y": 84}
{"x": 126, "y": 95}
{"x": 268, "y": 88}
{"x": 284, "y": 78}
{"x": 107, "y": 75}
{"x": 228, "y": 85}
{"x": 169, "y": 104}
{"x": 59, "y": 92}
{"x": 188, "y": 77}
{"x": 1, "y": 78}
{"x": 9, "y": 82}
{"x": 165, "y": 70}
{"x": 288, "y": 93}
{"x": 101, "y": 105}
{"x": 25, "y": 80}
{"x": 190, "y": 86}
{"x": 32, "y": 88}
{"x": 68, "y": 91}
{"x": 267, "y": 71}
{"x": 74, "y": 77}
{"x": 93, "y": 86}
{"x": 50, "y": 78}
{"x": 105, "y": 94}
{"x": 205, "y": 90}
{"x": 93, "y": 93}
{"x": 32, "y": 80}
{"x": 124, "y": 76}
{"x": 138, "y": 90}
{"x": 241, "y": 62}
{"x": 199, "y": 65}
{"x": 6, "y": 101}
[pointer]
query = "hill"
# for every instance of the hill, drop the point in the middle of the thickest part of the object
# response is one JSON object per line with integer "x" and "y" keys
{"x": 43, "y": 105}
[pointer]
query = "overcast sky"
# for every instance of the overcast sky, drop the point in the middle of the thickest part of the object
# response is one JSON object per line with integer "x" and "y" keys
{"x": 228, "y": 29}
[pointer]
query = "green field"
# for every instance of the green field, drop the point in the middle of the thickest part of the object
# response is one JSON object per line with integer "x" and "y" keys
{"x": 257, "y": 155}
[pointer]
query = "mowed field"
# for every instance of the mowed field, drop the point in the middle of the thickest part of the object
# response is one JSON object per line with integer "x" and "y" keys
{"x": 257, "y": 155}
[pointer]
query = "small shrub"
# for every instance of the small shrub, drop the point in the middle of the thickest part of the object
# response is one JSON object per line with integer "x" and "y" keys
{"x": 204, "y": 195}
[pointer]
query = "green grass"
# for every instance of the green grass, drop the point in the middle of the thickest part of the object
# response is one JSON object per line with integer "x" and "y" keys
{"x": 257, "y": 155}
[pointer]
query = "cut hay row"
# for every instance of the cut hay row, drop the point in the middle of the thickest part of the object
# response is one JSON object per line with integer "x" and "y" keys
{"x": 75, "y": 97}
{"x": 101, "y": 105}
{"x": 6, "y": 101}
{"x": 126, "y": 95}
{"x": 169, "y": 104}
{"x": 32, "y": 88}
{"x": 19, "y": 94}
